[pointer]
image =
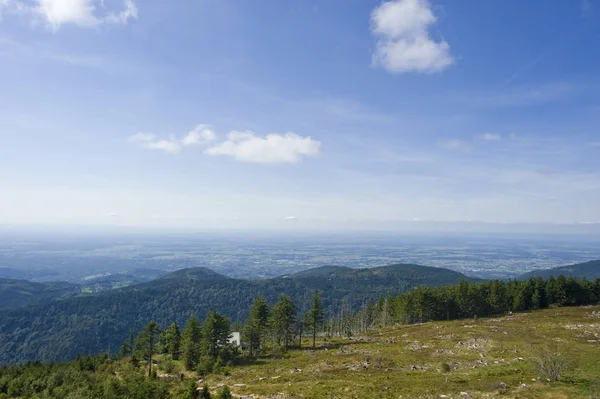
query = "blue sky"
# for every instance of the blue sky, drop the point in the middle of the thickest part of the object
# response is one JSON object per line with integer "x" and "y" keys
{"x": 298, "y": 114}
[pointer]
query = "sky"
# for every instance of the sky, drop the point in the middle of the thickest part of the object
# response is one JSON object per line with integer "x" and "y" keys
{"x": 299, "y": 114}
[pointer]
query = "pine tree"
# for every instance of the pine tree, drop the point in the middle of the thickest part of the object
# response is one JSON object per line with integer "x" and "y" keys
{"x": 283, "y": 319}
{"x": 146, "y": 342}
{"x": 127, "y": 346}
{"x": 315, "y": 316}
{"x": 191, "y": 391}
{"x": 204, "y": 392}
{"x": 215, "y": 333}
{"x": 258, "y": 322}
{"x": 172, "y": 338}
{"x": 225, "y": 393}
{"x": 191, "y": 338}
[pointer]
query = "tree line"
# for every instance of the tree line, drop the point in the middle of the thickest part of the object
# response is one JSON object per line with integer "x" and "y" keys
{"x": 205, "y": 347}
{"x": 468, "y": 300}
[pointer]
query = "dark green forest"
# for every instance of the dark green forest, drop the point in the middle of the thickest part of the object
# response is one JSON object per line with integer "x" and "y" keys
{"x": 91, "y": 324}
{"x": 17, "y": 293}
{"x": 589, "y": 270}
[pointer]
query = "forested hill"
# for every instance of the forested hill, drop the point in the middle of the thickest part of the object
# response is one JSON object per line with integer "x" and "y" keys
{"x": 16, "y": 293}
{"x": 589, "y": 270}
{"x": 94, "y": 323}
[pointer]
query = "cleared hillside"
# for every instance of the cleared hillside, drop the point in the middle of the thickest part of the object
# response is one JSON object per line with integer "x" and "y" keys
{"x": 485, "y": 358}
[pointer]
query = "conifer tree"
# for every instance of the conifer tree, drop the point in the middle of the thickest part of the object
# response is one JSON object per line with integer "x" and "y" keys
{"x": 283, "y": 320}
{"x": 216, "y": 331}
{"x": 258, "y": 323}
{"x": 146, "y": 342}
{"x": 314, "y": 317}
{"x": 191, "y": 338}
{"x": 172, "y": 338}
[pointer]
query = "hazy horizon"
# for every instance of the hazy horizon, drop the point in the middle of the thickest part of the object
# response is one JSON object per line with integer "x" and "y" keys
{"x": 294, "y": 115}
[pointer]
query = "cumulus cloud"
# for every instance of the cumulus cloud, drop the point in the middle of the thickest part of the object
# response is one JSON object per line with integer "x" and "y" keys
{"x": 245, "y": 146}
{"x": 84, "y": 13}
{"x": 273, "y": 148}
{"x": 490, "y": 137}
{"x": 201, "y": 135}
{"x": 404, "y": 43}
{"x": 149, "y": 141}
{"x": 291, "y": 218}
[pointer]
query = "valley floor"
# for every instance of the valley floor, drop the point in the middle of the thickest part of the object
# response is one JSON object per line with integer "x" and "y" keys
{"x": 485, "y": 358}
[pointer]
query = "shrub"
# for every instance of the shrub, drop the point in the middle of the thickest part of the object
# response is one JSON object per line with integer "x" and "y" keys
{"x": 225, "y": 393}
{"x": 166, "y": 364}
{"x": 550, "y": 362}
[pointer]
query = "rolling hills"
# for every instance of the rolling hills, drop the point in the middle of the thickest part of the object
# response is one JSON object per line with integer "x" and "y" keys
{"x": 17, "y": 293}
{"x": 589, "y": 270}
{"x": 98, "y": 322}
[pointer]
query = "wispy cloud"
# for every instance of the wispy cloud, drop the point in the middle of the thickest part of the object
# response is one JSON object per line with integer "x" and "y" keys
{"x": 201, "y": 135}
{"x": 455, "y": 145}
{"x": 523, "y": 96}
{"x": 271, "y": 149}
{"x": 244, "y": 146}
{"x": 83, "y": 13}
{"x": 586, "y": 8}
{"x": 489, "y": 137}
{"x": 404, "y": 43}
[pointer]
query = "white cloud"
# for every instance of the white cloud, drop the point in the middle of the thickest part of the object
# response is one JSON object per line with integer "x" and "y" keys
{"x": 490, "y": 137}
{"x": 273, "y": 148}
{"x": 84, "y": 13}
{"x": 243, "y": 146}
{"x": 202, "y": 134}
{"x": 149, "y": 141}
{"x": 291, "y": 218}
{"x": 404, "y": 43}
{"x": 455, "y": 145}
{"x": 130, "y": 12}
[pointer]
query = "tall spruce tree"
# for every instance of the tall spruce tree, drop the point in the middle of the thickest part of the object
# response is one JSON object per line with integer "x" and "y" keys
{"x": 191, "y": 339}
{"x": 315, "y": 316}
{"x": 146, "y": 342}
{"x": 258, "y": 323}
{"x": 172, "y": 338}
{"x": 216, "y": 331}
{"x": 283, "y": 320}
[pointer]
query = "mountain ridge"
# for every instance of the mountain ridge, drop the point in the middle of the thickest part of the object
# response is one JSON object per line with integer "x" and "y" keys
{"x": 98, "y": 322}
{"x": 589, "y": 270}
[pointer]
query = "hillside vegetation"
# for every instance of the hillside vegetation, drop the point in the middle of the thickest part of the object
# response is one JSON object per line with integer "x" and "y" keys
{"x": 99, "y": 322}
{"x": 589, "y": 270}
{"x": 485, "y": 358}
{"x": 17, "y": 293}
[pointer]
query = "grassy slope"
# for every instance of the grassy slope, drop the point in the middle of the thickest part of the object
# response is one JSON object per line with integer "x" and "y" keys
{"x": 392, "y": 352}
